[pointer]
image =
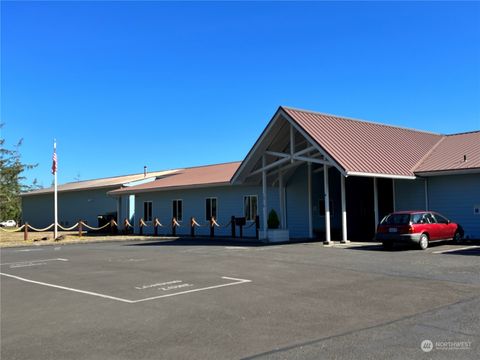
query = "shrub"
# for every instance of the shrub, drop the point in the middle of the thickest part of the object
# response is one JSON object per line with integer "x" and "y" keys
{"x": 273, "y": 222}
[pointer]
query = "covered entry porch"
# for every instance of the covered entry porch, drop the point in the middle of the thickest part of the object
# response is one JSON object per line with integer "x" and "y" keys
{"x": 317, "y": 197}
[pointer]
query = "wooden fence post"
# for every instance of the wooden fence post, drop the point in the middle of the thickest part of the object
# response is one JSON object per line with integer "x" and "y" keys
{"x": 25, "y": 232}
{"x": 174, "y": 227}
{"x": 212, "y": 227}
{"x": 79, "y": 228}
{"x": 140, "y": 224}
{"x": 155, "y": 229}
{"x": 192, "y": 227}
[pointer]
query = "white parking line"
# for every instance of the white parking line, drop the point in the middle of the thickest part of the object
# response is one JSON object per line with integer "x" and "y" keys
{"x": 66, "y": 288}
{"x": 457, "y": 249}
{"x": 32, "y": 261}
{"x": 236, "y": 282}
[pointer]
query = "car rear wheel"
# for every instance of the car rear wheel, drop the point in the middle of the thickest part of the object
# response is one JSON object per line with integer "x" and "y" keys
{"x": 423, "y": 243}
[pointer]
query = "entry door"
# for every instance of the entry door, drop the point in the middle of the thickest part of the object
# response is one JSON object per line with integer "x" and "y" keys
{"x": 360, "y": 212}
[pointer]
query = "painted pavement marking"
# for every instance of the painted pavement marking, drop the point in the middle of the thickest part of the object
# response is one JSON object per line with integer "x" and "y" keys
{"x": 19, "y": 263}
{"x": 66, "y": 288}
{"x": 457, "y": 249}
{"x": 235, "y": 282}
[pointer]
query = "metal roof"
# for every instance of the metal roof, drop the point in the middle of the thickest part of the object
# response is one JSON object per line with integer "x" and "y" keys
{"x": 199, "y": 176}
{"x": 363, "y": 147}
{"x": 453, "y": 152}
{"x": 100, "y": 183}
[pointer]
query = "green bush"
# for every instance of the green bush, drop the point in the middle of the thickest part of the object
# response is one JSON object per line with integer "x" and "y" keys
{"x": 273, "y": 222}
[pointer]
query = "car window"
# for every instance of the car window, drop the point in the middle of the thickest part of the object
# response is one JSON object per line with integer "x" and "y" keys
{"x": 440, "y": 219}
{"x": 396, "y": 219}
{"x": 430, "y": 218}
{"x": 418, "y": 219}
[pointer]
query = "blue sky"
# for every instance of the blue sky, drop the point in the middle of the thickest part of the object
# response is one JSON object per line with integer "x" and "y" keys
{"x": 122, "y": 85}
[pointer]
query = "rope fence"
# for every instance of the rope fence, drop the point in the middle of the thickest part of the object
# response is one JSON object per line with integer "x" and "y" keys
{"x": 68, "y": 229}
{"x": 40, "y": 230}
{"x": 127, "y": 226}
{"x": 13, "y": 231}
{"x": 95, "y": 228}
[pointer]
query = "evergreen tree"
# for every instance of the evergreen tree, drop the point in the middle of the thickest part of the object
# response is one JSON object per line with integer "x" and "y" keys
{"x": 11, "y": 180}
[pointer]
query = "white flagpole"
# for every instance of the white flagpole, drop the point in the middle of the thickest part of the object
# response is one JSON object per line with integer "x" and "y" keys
{"x": 55, "y": 207}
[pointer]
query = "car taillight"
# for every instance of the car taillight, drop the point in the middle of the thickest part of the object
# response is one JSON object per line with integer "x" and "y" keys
{"x": 381, "y": 229}
{"x": 411, "y": 229}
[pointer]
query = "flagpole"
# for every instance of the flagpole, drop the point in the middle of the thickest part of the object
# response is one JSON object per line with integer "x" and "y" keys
{"x": 55, "y": 206}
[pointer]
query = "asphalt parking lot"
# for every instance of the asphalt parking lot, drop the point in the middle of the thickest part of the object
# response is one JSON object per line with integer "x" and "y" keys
{"x": 196, "y": 299}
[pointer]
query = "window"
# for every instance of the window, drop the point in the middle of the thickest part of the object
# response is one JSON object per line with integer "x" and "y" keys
{"x": 210, "y": 208}
{"x": 147, "y": 211}
{"x": 250, "y": 207}
{"x": 440, "y": 219}
{"x": 396, "y": 219}
{"x": 419, "y": 219}
{"x": 177, "y": 209}
{"x": 429, "y": 219}
{"x": 321, "y": 207}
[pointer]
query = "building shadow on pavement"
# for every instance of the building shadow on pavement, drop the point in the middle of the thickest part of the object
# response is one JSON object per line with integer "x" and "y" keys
{"x": 207, "y": 241}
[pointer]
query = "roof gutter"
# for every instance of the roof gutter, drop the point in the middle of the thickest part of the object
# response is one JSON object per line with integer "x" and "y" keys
{"x": 386, "y": 176}
{"x": 448, "y": 172}
{"x": 127, "y": 191}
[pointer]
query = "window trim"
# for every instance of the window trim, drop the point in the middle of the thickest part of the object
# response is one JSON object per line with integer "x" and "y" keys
{"x": 245, "y": 196}
{"x": 179, "y": 220}
{"x": 216, "y": 207}
{"x": 151, "y": 212}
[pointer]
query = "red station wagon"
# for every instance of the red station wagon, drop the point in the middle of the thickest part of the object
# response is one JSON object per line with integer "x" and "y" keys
{"x": 418, "y": 227}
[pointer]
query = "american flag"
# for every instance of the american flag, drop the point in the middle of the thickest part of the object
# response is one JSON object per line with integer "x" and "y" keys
{"x": 54, "y": 158}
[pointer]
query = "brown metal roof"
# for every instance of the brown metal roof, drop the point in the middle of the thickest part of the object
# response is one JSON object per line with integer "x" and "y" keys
{"x": 366, "y": 147}
{"x": 449, "y": 154}
{"x": 99, "y": 183}
{"x": 208, "y": 175}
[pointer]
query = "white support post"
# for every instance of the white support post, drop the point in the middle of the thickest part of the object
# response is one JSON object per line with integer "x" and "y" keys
{"x": 344, "y": 210}
{"x": 375, "y": 201}
{"x": 309, "y": 185}
{"x": 426, "y": 194}
{"x": 394, "y": 195}
{"x": 55, "y": 191}
{"x": 328, "y": 240}
{"x": 281, "y": 196}
{"x": 264, "y": 196}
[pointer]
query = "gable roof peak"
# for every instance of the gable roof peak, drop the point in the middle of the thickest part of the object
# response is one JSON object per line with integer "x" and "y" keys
{"x": 286, "y": 108}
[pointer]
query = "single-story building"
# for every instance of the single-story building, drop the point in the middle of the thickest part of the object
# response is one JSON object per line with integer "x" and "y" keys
{"x": 326, "y": 176}
{"x": 81, "y": 200}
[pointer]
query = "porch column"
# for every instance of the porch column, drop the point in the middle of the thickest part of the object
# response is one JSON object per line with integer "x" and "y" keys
{"x": 375, "y": 201}
{"x": 344, "y": 210}
{"x": 264, "y": 195}
{"x": 309, "y": 186}
{"x": 328, "y": 240}
{"x": 281, "y": 195}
